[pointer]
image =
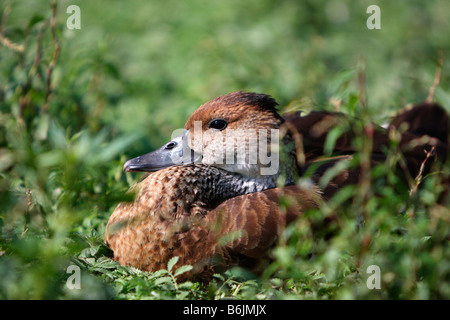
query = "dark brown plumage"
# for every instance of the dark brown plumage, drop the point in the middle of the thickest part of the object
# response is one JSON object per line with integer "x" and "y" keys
{"x": 213, "y": 216}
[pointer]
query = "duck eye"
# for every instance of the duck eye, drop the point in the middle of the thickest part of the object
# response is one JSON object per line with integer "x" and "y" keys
{"x": 171, "y": 145}
{"x": 218, "y": 124}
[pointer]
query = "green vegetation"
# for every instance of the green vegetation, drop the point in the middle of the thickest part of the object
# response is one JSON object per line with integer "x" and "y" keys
{"x": 75, "y": 104}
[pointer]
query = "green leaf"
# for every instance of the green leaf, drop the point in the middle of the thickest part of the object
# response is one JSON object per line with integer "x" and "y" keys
{"x": 106, "y": 263}
{"x": 186, "y": 285}
{"x": 182, "y": 270}
{"x": 219, "y": 276}
{"x": 182, "y": 295}
{"x": 34, "y": 20}
{"x": 332, "y": 137}
{"x": 171, "y": 263}
{"x": 158, "y": 273}
{"x": 163, "y": 280}
{"x": 93, "y": 250}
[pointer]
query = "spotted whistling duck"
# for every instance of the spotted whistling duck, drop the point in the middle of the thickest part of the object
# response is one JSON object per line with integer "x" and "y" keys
{"x": 211, "y": 212}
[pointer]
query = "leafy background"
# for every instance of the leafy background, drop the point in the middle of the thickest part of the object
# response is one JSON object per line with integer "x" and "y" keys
{"x": 75, "y": 104}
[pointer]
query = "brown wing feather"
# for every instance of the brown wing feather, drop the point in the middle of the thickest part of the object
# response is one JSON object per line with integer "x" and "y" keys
{"x": 245, "y": 226}
{"x": 257, "y": 220}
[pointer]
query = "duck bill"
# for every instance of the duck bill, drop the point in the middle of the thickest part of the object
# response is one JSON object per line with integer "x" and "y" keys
{"x": 175, "y": 152}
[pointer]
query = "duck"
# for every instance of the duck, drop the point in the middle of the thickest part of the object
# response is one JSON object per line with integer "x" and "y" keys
{"x": 423, "y": 141}
{"x": 211, "y": 196}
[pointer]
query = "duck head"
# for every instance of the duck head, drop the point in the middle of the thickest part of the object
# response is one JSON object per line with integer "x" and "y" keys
{"x": 237, "y": 132}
